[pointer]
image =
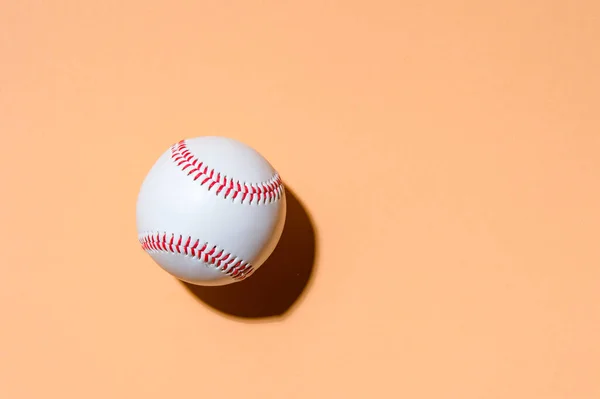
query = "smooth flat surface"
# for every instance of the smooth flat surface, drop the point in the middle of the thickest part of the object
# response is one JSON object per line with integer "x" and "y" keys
{"x": 444, "y": 158}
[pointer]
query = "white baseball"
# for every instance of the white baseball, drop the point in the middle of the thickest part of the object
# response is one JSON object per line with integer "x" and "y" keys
{"x": 210, "y": 211}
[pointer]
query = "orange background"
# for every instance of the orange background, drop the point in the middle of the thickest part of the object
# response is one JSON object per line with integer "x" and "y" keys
{"x": 443, "y": 162}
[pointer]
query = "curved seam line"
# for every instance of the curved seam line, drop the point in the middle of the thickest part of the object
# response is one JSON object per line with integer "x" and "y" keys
{"x": 267, "y": 191}
{"x": 212, "y": 255}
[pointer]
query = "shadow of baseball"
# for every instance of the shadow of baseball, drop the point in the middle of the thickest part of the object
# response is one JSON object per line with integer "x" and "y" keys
{"x": 275, "y": 287}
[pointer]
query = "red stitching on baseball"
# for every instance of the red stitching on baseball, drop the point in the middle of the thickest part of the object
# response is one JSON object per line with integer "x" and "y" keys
{"x": 223, "y": 261}
{"x": 267, "y": 191}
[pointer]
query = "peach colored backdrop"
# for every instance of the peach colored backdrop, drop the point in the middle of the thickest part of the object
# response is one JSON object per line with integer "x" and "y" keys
{"x": 443, "y": 160}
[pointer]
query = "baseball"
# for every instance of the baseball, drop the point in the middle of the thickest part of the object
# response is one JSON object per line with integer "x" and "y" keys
{"x": 210, "y": 211}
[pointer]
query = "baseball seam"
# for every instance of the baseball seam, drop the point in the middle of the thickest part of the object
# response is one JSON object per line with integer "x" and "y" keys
{"x": 177, "y": 244}
{"x": 264, "y": 192}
